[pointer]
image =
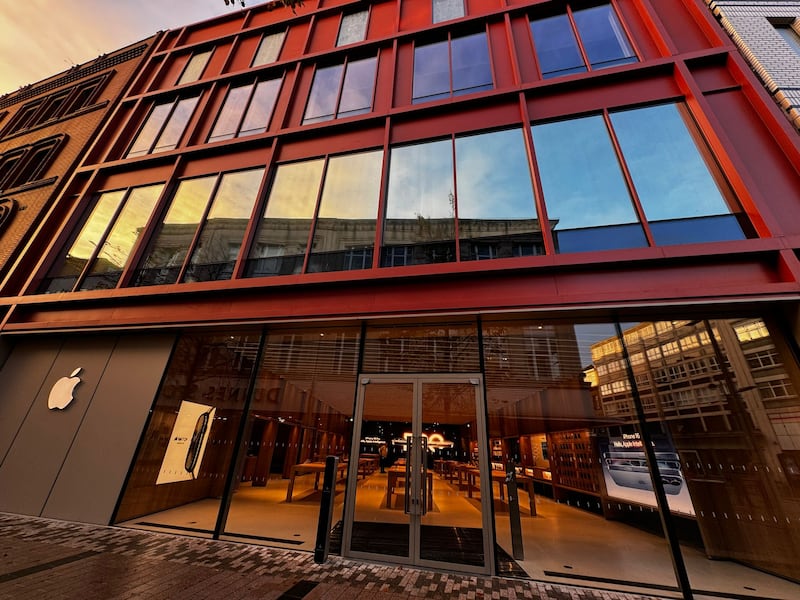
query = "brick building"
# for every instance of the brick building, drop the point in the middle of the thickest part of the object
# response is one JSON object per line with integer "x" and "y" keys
{"x": 45, "y": 129}
{"x": 422, "y": 236}
{"x": 768, "y": 34}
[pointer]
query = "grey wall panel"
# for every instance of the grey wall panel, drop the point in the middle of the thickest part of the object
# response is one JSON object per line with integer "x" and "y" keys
{"x": 34, "y": 460}
{"x": 93, "y": 475}
{"x": 20, "y": 380}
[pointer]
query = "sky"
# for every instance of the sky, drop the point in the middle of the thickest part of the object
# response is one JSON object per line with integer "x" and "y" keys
{"x": 39, "y": 38}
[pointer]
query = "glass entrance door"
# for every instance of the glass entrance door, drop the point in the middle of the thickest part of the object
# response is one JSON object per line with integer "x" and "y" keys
{"x": 418, "y": 466}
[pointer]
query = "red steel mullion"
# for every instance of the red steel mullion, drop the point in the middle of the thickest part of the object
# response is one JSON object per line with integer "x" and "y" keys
{"x": 259, "y": 208}
{"x": 575, "y": 32}
{"x": 637, "y": 204}
{"x": 384, "y": 189}
{"x": 200, "y": 226}
{"x": 313, "y": 226}
{"x": 455, "y": 197}
{"x": 98, "y": 247}
{"x": 159, "y": 211}
{"x": 536, "y": 180}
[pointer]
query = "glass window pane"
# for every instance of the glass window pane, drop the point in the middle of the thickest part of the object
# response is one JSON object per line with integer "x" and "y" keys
{"x": 171, "y": 242}
{"x": 260, "y": 110}
{"x": 176, "y": 125}
{"x": 344, "y": 234}
{"x": 128, "y": 228}
{"x": 419, "y": 226}
{"x": 444, "y": 10}
{"x": 471, "y": 69}
{"x": 215, "y": 255}
{"x": 670, "y": 175}
{"x": 359, "y": 82}
{"x": 431, "y": 72}
{"x": 790, "y": 36}
{"x": 280, "y": 244}
{"x": 231, "y": 113}
{"x": 723, "y": 393}
{"x": 353, "y": 28}
{"x": 65, "y": 272}
{"x": 195, "y": 67}
{"x": 582, "y": 181}
{"x": 324, "y": 90}
{"x": 580, "y": 469}
{"x": 201, "y": 398}
{"x": 556, "y": 46}
{"x": 602, "y": 36}
{"x": 151, "y": 128}
{"x": 496, "y": 210}
{"x": 269, "y": 48}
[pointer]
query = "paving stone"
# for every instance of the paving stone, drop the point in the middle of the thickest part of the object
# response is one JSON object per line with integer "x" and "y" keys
{"x": 44, "y": 558}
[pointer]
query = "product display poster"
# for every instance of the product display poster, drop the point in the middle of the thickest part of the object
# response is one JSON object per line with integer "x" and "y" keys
{"x": 628, "y": 478}
{"x": 187, "y": 443}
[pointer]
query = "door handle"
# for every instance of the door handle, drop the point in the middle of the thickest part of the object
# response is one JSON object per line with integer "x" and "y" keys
{"x": 424, "y": 458}
{"x": 407, "y": 495}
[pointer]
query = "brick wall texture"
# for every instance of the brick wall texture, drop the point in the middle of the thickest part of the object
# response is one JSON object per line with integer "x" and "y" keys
{"x": 751, "y": 25}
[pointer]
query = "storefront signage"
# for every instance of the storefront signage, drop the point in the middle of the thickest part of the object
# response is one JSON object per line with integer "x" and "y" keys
{"x": 61, "y": 394}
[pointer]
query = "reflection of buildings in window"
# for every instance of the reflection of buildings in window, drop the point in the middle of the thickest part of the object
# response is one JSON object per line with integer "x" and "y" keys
{"x": 730, "y": 408}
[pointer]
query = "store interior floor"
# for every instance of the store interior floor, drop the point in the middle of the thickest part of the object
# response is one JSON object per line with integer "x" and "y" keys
{"x": 562, "y": 543}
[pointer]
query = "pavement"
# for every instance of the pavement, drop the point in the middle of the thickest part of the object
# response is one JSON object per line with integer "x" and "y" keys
{"x": 43, "y": 559}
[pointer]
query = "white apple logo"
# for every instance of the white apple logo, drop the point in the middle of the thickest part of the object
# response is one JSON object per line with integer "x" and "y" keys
{"x": 61, "y": 394}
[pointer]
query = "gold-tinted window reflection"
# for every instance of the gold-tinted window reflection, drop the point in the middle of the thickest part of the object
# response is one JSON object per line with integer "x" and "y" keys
{"x": 344, "y": 234}
{"x": 215, "y": 255}
{"x": 282, "y": 237}
{"x": 64, "y": 274}
{"x": 170, "y": 245}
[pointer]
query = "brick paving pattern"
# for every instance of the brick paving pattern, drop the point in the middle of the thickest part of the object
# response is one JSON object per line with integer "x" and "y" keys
{"x": 45, "y": 559}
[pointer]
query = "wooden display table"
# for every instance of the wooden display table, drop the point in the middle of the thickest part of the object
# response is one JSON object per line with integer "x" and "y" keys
{"x": 315, "y": 467}
{"x": 397, "y": 474}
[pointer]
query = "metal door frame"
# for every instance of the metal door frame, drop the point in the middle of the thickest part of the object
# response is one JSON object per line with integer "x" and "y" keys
{"x": 417, "y": 379}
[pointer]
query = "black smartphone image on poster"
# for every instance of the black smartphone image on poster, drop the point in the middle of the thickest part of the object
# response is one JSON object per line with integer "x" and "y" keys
{"x": 197, "y": 442}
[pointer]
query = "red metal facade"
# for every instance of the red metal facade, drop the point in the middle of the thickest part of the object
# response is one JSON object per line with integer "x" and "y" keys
{"x": 683, "y": 55}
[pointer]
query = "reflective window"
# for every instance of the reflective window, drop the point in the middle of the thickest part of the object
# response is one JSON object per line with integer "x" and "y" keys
{"x": 121, "y": 239}
{"x": 589, "y": 206}
{"x": 556, "y": 46}
{"x": 456, "y": 66}
{"x": 269, "y": 48}
{"x": 344, "y": 233}
{"x": 282, "y": 237}
{"x": 214, "y": 252}
{"x": 221, "y": 236}
{"x": 106, "y": 238}
{"x": 444, "y": 10}
{"x": 680, "y": 198}
{"x": 195, "y": 67}
{"x": 353, "y": 28}
{"x": 331, "y": 97}
{"x": 790, "y": 36}
{"x": 163, "y": 127}
{"x": 601, "y": 36}
{"x": 420, "y": 205}
{"x": 496, "y": 211}
{"x": 246, "y": 111}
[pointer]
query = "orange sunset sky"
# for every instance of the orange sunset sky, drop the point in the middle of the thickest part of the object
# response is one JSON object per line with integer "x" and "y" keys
{"x": 39, "y": 38}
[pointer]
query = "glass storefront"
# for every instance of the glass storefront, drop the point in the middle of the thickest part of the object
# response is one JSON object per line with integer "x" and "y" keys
{"x": 620, "y": 436}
